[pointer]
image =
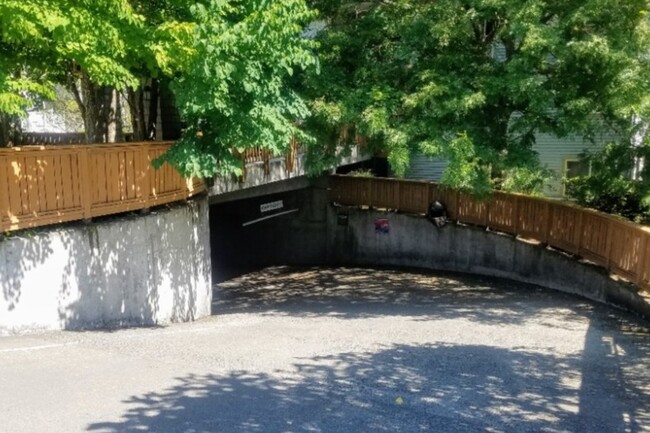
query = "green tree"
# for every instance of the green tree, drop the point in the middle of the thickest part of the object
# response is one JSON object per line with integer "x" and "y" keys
{"x": 87, "y": 44}
{"x": 229, "y": 63}
{"x": 618, "y": 183}
{"x": 234, "y": 93}
{"x": 473, "y": 80}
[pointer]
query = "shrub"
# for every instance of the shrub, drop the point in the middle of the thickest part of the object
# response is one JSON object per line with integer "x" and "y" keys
{"x": 611, "y": 187}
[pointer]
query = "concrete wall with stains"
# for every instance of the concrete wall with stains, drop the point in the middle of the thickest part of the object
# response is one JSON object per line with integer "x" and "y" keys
{"x": 137, "y": 270}
{"x": 413, "y": 241}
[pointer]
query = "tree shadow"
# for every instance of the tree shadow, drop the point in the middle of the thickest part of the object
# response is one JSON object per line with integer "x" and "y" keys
{"x": 135, "y": 271}
{"x": 17, "y": 260}
{"x": 614, "y": 359}
{"x": 439, "y": 388}
{"x": 114, "y": 272}
{"x": 350, "y": 293}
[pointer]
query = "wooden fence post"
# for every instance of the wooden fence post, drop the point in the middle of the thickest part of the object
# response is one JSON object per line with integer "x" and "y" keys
{"x": 445, "y": 195}
{"x": 291, "y": 156}
{"x": 515, "y": 214}
{"x": 398, "y": 203}
{"x": 266, "y": 161}
{"x": 86, "y": 183}
{"x": 642, "y": 257}
{"x": 581, "y": 215}
{"x": 547, "y": 222}
{"x": 4, "y": 200}
{"x": 370, "y": 181}
{"x": 145, "y": 175}
{"x": 608, "y": 246}
{"x": 486, "y": 217}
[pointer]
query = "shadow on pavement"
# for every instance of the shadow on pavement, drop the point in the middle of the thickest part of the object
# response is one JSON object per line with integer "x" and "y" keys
{"x": 402, "y": 388}
{"x": 351, "y": 293}
{"x": 602, "y": 387}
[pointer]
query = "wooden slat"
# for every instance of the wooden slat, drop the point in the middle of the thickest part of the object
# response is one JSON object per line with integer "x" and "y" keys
{"x": 643, "y": 267}
{"x": 502, "y": 212}
{"x": 85, "y": 184}
{"x": 532, "y": 218}
{"x": 414, "y": 196}
{"x": 49, "y": 179}
{"x": 565, "y": 227}
{"x": 101, "y": 192}
{"x": 114, "y": 177}
{"x": 595, "y": 234}
{"x": 76, "y": 180}
{"x": 13, "y": 181}
{"x": 385, "y": 193}
{"x": 44, "y": 185}
{"x": 40, "y": 175}
{"x": 144, "y": 177}
{"x": 471, "y": 210}
{"x": 66, "y": 174}
{"x": 4, "y": 195}
{"x": 625, "y": 249}
{"x": 130, "y": 175}
{"x": 24, "y": 185}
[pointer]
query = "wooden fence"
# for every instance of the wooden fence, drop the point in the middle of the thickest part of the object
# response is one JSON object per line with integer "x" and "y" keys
{"x": 53, "y": 184}
{"x": 618, "y": 245}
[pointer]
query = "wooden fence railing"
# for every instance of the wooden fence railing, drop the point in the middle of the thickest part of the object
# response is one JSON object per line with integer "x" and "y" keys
{"x": 256, "y": 155}
{"x": 53, "y": 184}
{"x": 618, "y": 245}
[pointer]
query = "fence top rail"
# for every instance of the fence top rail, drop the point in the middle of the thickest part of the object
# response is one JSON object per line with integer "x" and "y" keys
{"x": 35, "y": 148}
{"x": 554, "y": 202}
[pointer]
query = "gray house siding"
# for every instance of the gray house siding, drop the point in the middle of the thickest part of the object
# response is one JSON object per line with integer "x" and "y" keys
{"x": 553, "y": 153}
{"x": 424, "y": 167}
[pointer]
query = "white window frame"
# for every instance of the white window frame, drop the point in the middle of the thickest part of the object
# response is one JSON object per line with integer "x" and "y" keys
{"x": 565, "y": 170}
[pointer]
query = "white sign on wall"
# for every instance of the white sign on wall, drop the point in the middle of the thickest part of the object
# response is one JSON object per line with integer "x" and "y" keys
{"x": 274, "y": 205}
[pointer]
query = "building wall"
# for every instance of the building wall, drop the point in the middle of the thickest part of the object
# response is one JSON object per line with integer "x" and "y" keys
{"x": 553, "y": 152}
{"x": 424, "y": 167}
{"x": 127, "y": 270}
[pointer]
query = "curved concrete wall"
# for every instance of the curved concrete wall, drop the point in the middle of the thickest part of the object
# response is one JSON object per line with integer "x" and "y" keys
{"x": 133, "y": 270}
{"x": 413, "y": 241}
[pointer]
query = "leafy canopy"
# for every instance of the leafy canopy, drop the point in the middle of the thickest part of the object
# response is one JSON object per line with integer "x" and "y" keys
{"x": 234, "y": 93}
{"x": 229, "y": 62}
{"x": 41, "y": 41}
{"x": 473, "y": 80}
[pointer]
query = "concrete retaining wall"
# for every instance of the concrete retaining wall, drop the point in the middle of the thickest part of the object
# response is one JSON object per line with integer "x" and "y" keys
{"x": 139, "y": 270}
{"x": 412, "y": 241}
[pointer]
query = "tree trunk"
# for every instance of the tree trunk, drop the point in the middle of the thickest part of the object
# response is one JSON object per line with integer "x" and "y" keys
{"x": 97, "y": 106}
{"x": 153, "y": 110}
{"x": 171, "y": 120}
{"x": 114, "y": 130}
{"x": 135, "y": 98}
{"x": 10, "y": 130}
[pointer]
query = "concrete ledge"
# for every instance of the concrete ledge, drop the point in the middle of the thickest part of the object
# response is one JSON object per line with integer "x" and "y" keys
{"x": 129, "y": 270}
{"x": 412, "y": 241}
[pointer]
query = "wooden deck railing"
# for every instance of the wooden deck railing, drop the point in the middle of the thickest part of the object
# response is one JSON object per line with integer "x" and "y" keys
{"x": 618, "y": 245}
{"x": 53, "y": 184}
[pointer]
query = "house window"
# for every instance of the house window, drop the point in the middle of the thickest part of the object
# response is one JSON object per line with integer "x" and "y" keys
{"x": 574, "y": 167}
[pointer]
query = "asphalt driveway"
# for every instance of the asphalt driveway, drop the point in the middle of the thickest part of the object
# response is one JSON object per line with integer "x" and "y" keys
{"x": 343, "y": 350}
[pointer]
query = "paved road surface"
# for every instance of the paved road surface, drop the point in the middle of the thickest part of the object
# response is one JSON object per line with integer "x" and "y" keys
{"x": 343, "y": 350}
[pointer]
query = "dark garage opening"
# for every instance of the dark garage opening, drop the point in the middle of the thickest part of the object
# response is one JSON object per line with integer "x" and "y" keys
{"x": 278, "y": 229}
